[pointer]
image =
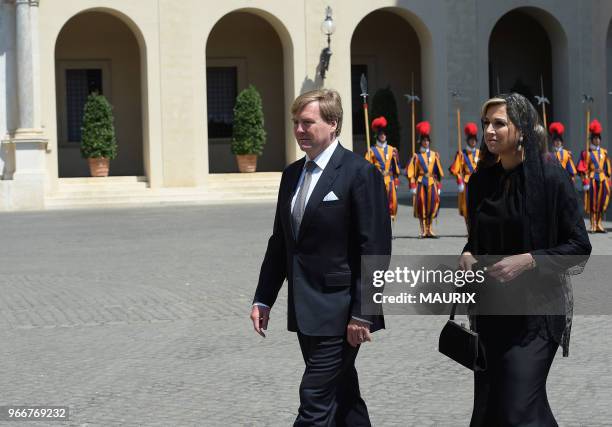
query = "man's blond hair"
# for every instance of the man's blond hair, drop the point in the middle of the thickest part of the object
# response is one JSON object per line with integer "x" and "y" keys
{"x": 330, "y": 105}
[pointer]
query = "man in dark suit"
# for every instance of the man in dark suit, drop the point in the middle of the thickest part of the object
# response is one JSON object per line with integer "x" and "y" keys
{"x": 331, "y": 211}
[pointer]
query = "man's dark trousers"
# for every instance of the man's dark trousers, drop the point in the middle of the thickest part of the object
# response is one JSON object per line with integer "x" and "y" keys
{"x": 330, "y": 384}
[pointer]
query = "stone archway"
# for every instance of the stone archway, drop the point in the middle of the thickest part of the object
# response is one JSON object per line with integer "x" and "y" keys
{"x": 388, "y": 59}
{"x": 531, "y": 61}
{"x": 609, "y": 78}
{"x": 235, "y": 59}
{"x": 96, "y": 50}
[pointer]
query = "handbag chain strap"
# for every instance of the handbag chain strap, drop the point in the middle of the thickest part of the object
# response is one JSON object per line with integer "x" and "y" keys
{"x": 452, "y": 315}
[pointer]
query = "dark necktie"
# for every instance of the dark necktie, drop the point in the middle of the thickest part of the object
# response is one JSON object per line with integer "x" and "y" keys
{"x": 300, "y": 201}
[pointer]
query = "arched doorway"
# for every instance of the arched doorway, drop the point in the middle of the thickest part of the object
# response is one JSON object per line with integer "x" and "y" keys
{"x": 97, "y": 51}
{"x": 609, "y": 79}
{"x": 386, "y": 49}
{"x": 244, "y": 49}
{"x": 522, "y": 61}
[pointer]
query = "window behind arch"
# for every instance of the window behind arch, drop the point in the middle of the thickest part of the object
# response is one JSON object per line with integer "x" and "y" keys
{"x": 221, "y": 91}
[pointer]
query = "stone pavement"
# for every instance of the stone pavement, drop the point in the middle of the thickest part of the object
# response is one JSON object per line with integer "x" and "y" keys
{"x": 140, "y": 317}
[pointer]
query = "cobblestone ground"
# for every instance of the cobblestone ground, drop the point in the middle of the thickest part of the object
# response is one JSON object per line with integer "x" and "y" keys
{"x": 140, "y": 317}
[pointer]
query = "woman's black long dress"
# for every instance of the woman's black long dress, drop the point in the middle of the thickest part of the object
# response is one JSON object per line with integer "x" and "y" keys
{"x": 520, "y": 348}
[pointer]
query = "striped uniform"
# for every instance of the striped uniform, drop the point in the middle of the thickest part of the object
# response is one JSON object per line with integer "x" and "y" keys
{"x": 565, "y": 158}
{"x": 595, "y": 171}
{"x": 425, "y": 173}
{"x": 463, "y": 167}
{"x": 386, "y": 160}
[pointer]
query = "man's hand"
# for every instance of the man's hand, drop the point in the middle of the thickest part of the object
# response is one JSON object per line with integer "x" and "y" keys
{"x": 510, "y": 267}
{"x": 260, "y": 316}
{"x": 357, "y": 332}
{"x": 466, "y": 261}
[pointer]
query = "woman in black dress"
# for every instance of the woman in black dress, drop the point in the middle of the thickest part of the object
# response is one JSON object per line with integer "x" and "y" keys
{"x": 526, "y": 228}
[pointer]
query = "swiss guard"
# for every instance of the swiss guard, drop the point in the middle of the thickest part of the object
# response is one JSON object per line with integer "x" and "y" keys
{"x": 564, "y": 156}
{"x": 424, "y": 173}
{"x": 386, "y": 159}
{"x": 464, "y": 166}
{"x": 594, "y": 167}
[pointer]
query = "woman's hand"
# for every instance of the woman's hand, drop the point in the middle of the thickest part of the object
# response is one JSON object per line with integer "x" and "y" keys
{"x": 510, "y": 267}
{"x": 466, "y": 260}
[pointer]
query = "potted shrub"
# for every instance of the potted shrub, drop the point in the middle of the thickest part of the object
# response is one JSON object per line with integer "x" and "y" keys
{"x": 98, "y": 144}
{"x": 248, "y": 135}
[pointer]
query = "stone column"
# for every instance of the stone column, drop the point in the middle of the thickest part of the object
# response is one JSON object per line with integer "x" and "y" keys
{"x": 36, "y": 93}
{"x": 30, "y": 142}
{"x": 25, "y": 91}
{"x": 8, "y": 95}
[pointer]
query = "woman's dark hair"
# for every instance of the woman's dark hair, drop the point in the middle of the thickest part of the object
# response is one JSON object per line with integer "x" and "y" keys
{"x": 523, "y": 116}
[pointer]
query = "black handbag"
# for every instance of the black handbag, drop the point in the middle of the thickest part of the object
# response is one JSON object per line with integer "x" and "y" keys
{"x": 462, "y": 344}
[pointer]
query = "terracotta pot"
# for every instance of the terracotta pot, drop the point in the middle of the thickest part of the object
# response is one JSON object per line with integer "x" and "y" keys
{"x": 246, "y": 162}
{"x": 98, "y": 166}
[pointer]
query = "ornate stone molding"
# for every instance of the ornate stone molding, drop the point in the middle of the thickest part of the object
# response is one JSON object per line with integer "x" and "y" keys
{"x": 33, "y": 3}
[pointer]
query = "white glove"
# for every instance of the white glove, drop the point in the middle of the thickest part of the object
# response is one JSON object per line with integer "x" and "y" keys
{"x": 460, "y": 187}
{"x": 439, "y": 191}
{"x": 413, "y": 191}
{"x": 586, "y": 187}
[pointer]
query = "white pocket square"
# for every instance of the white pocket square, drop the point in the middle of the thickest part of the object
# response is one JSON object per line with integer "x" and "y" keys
{"x": 330, "y": 197}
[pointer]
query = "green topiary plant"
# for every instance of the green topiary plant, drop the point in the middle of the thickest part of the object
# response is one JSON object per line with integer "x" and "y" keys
{"x": 384, "y": 104}
{"x": 98, "y": 131}
{"x": 249, "y": 135}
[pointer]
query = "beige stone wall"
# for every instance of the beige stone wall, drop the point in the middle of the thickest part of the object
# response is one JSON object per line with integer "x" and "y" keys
{"x": 182, "y": 87}
{"x": 171, "y": 36}
{"x": 99, "y": 37}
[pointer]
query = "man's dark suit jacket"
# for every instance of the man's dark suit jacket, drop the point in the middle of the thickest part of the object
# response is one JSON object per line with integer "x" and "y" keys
{"x": 323, "y": 264}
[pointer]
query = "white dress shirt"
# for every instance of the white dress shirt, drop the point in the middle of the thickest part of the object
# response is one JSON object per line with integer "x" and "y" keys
{"x": 321, "y": 162}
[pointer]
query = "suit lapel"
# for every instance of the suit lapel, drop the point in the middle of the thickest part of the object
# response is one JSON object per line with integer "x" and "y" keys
{"x": 323, "y": 186}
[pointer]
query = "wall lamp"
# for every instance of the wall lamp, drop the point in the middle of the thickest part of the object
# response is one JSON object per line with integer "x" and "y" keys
{"x": 327, "y": 27}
